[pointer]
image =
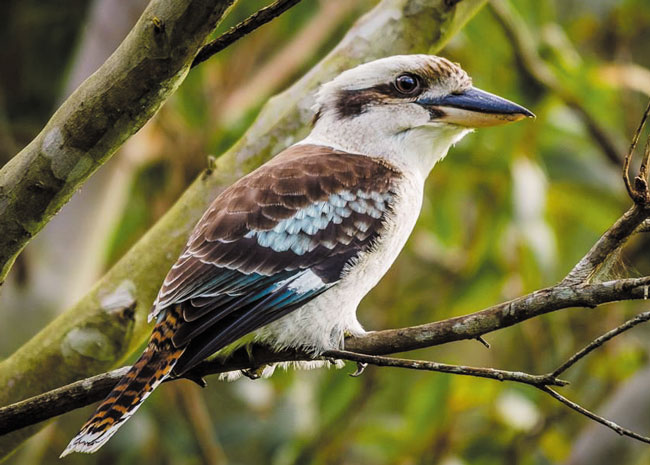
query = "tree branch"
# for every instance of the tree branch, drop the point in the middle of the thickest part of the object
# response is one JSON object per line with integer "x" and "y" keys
{"x": 608, "y": 244}
{"x": 499, "y": 316}
{"x": 599, "y": 341}
{"x": 477, "y": 372}
{"x": 608, "y": 423}
{"x": 100, "y": 115}
{"x": 247, "y": 26}
{"x": 638, "y": 191}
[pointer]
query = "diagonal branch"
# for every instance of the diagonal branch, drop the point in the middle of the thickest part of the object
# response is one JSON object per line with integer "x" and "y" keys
{"x": 603, "y": 421}
{"x": 99, "y": 116}
{"x": 247, "y": 26}
{"x": 607, "y": 245}
{"x": 596, "y": 343}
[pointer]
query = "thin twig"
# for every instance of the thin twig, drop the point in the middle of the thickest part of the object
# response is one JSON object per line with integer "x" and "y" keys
{"x": 643, "y": 170}
{"x": 542, "y": 382}
{"x": 247, "y": 26}
{"x": 641, "y": 179}
{"x": 490, "y": 373}
{"x": 630, "y": 153}
{"x": 603, "y": 421}
{"x": 629, "y": 324}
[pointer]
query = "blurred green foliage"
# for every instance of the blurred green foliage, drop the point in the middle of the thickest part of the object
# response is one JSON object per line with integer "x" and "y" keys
{"x": 509, "y": 211}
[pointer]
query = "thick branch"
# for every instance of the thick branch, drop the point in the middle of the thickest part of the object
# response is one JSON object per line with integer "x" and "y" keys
{"x": 58, "y": 401}
{"x": 100, "y": 115}
{"x": 499, "y": 316}
{"x": 110, "y": 321}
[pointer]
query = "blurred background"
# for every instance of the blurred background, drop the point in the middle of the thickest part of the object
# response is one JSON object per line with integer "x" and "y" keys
{"x": 512, "y": 209}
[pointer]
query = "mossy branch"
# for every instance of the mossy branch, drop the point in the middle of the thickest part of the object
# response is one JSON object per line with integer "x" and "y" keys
{"x": 105, "y": 326}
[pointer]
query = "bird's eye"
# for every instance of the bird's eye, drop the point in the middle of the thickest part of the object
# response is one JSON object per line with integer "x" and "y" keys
{"x": 407, "y": 84}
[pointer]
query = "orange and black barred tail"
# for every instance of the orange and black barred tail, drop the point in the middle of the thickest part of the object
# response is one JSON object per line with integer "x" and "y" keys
{"x": 153, "y": 366}
{"x": 129, "y": 393}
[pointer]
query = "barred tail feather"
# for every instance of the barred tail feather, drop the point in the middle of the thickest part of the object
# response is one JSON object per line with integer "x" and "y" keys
{"x": 125, "y": 398}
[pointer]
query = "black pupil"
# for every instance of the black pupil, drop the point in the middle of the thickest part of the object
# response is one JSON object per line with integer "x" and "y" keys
{"x": 406, "y": 83}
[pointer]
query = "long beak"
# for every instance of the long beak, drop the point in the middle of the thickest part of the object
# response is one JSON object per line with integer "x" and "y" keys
{"x": 474, "y": 108}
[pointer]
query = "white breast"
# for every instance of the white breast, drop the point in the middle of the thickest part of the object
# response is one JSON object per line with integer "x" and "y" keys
{"x": 323, "y": 323}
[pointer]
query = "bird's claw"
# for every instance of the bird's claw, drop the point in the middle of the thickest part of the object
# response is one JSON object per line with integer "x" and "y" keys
{"x": 361, "y": 367}
{"x": 253, "y": 373}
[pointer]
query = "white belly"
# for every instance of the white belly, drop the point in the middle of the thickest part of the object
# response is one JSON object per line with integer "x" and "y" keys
{"x": 323, "y": 323}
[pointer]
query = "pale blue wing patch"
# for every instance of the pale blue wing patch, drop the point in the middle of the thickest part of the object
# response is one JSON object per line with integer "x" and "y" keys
{"x": 297, "y": 232}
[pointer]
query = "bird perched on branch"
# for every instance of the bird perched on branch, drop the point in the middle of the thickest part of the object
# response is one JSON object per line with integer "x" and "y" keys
{"x": 284, "y": 256}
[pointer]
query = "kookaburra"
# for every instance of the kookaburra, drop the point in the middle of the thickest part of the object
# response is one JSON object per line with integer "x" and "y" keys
{"x": 284, "y": 256}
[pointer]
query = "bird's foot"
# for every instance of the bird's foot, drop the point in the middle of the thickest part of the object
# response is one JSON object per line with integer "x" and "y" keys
{"x": 253, "y": 373}
{"x": 361, "y": 367}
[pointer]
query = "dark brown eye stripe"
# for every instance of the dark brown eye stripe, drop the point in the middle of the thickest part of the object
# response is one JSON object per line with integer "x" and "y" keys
{"x": 352, "y": 103}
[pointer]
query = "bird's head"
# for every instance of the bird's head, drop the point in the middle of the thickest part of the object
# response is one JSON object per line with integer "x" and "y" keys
{"x": 407, "y": 108}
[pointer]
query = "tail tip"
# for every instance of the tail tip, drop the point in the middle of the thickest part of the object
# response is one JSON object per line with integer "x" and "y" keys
{"x": 85, "y": 443}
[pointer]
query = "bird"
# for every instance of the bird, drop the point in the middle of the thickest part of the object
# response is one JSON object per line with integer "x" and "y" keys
{"x": 284, "y": 256}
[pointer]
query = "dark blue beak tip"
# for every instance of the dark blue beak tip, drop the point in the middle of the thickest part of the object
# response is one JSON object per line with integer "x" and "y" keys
{"x": 527, "y": 113}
